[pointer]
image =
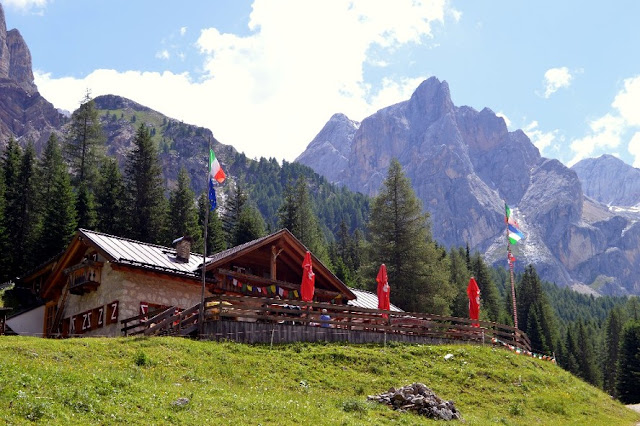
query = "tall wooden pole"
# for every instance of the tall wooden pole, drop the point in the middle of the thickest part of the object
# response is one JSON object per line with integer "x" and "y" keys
{"x": 511, "y": 275}
{"x": 204, "y": 252}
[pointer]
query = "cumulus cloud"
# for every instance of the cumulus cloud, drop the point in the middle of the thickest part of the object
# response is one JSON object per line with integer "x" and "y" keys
{"x": 555, "y": 79}
{"x": 613, "y": 128}
{"x": 183, "y": 30}
{"x": 268, "y": 93}
{"x": 542, "y": 140}
{"x": 506, "y": 119}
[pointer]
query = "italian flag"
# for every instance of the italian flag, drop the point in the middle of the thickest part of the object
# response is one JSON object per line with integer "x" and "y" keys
{"x": 215, "y": 171}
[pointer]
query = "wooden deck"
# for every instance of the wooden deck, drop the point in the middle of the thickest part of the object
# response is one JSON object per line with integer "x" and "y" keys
{"x": 269, "y": 320}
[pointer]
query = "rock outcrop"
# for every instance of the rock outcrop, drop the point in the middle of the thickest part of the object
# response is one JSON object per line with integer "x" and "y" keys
{"x": 24, "y": 114}
{"x": 464, "y": 165}
{"x": 418, "y": 398}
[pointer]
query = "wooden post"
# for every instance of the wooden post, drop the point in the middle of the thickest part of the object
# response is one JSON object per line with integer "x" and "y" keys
{"x": 272, "y": 267}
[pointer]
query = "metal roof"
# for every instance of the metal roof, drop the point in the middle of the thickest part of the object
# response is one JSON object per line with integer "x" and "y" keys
{"x": 366, "y": 299}
{"x": 123, "y": 250}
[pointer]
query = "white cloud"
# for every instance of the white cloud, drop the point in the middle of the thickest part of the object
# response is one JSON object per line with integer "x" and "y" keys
{"x": 627, "y": 101}
{"x": 634, "y": 149}
{"x": 270, "y": 92}
{"x": 555, "y": 79}
{"x": 163, "y": 54}
{"x": 542, "y": 140}
{"x": 506, "y": 119}
{"x": 611, "y": 129}
{"x": 183, "y": 31}
{"x": 25, "y": 4}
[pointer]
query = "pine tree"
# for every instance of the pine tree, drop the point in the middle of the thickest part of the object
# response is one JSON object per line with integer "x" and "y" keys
{"x": 56, "y": 202}
{"x": 249, "y": 227}
{"x": 85, "y": 207}
{"x": 4, "y": 248}
{"x": 215, "y": 234}
{"x": 85, "y": 143}
{"x": 233, "y": 209}
{"x": 628, "y": 377}
{"x": 490, "y": 305}
{"x": 613, "y": 332}
{"x": 587, "y": 365}
{"x": 459, "y": 277}
{"x": 568, "y": 360}
{"x": 400, "y": 238}
{"x": 111, "y": 200}
{"x": 143, "y": 182}
{"x": 531, "y": 297}
{"x": 183, "y": 214}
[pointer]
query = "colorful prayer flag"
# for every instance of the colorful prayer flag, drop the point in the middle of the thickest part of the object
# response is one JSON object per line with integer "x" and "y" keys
{"x": 514, "y": 234}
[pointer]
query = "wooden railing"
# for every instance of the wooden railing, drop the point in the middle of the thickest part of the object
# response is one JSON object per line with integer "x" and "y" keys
{"x": 292, "y": 312}
{"x": 169, "y": 321}
{"x": 350, "y": 319}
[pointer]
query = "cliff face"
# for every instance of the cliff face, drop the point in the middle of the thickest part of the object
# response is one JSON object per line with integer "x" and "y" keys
{"x": 609, "y": 180}
{"x": 24, "y": 114}
{"x": 464, "y": 165}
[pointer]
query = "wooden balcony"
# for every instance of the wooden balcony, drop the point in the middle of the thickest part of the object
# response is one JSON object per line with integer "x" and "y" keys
{"x": 84, "y": 277}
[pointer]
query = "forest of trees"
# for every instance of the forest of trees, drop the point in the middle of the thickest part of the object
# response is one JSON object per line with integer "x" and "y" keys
{"x": 73, "y": 184}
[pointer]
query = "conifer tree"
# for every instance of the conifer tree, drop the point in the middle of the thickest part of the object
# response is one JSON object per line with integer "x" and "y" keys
{"x": 233, "y": 208}
{"x": 628, "y": 377}
{"x": 56, "y": 202}
{"x": 400, "y": 238}
{"x": 23, "y": 213}
{"x": 183, "y": 214}
{"x": 143, "y": 182}
{"x": 570, "y": 359}
{"x": 459, "y": 277}
{"x": 249, "y": 227}
{"x": 4, "y": 260}
{"x": 587, "y": 365}
{"x": 613, "y": 332}
{"x": 215, "y": 234}
{"x": 111, "y": 200}
{"x": 85, "y": 143}
{"x": 490, "y": 305}
{"x": 529, "y": 297}
{"x": 85, "y": 207}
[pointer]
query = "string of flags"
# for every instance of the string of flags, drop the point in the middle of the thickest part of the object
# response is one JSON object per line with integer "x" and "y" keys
{"x": 520, "y": 351}
{"x": 269, "y": 290}
{"x": 514, "y": 233}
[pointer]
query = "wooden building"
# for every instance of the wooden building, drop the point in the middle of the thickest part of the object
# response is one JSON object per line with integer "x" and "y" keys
{"x": 101, "y": 279}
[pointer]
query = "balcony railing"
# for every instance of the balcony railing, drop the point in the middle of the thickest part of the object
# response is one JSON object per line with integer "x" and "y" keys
{"x": 84, "y": 277}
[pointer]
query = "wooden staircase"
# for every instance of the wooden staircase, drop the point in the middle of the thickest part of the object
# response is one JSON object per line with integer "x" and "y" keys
{"x": 164, "y": 322}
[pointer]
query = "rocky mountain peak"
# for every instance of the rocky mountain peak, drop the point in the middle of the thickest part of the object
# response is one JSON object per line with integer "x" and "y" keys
{"x": 609, "y": 180}
{"x": 4, "y": 50}
{"x": 430, "y": 101}
{"x": 15, "y": 58}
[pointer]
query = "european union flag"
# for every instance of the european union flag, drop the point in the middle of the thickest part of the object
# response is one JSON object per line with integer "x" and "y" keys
{"x": 212, "y": 195}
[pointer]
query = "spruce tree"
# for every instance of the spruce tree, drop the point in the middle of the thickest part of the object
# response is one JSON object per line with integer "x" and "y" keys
{"x": 85, "y": 207}
{"x": 587, "y": 365}
{"x": 459, "y": 277}
{"x": 111, "y": 200}
{"x": 613, "y": 332}
{"x": 4, "y": 248}
{"x": 249, "y": 227}
{"x": 56, "y": 202}
{"x": 146, "y": 204}
{"x": 400, "y": 238}
{"x": 529, "y": 297}
{"x": 628, "y": 376}
{"x": 233, "y": 209}
{"x": 85, "y": 143}
{"x": 490, "y": 305}
{"x": 183, "y": 214}
{"x": 215, "y": 234}
{"x": 25, "y": 216}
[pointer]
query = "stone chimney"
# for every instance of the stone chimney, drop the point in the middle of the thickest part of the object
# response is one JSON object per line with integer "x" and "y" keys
{"x": 183, "y": 247}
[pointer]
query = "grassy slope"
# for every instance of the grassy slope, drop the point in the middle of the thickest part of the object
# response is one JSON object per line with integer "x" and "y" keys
{"x": 136, "y": 381}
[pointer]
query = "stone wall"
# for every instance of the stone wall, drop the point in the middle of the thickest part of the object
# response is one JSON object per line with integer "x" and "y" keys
{"x": 129, "y": 289}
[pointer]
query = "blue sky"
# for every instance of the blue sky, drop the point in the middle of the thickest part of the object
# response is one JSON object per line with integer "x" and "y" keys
{"x": 266, "y": 75}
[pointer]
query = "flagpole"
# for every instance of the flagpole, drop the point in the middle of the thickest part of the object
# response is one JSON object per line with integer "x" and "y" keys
{"x": 513, "y": 287}
{"x": 204, "y": 253}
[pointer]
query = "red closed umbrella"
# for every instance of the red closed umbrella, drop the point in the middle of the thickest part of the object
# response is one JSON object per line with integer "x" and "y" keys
{"x": 384, "y": 290}
{"x": 308, "y": 279}
{"x": 473, "y": 291}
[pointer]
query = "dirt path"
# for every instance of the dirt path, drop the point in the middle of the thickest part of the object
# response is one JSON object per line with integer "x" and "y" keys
{"x": 635, "y": 407}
